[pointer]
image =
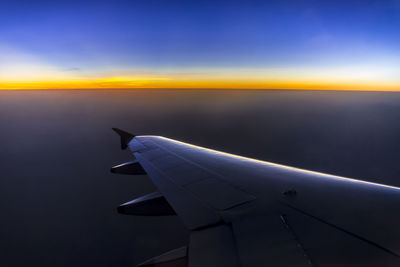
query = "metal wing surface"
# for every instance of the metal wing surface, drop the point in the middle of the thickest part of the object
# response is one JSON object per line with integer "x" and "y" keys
{"x": 246, "y": 212}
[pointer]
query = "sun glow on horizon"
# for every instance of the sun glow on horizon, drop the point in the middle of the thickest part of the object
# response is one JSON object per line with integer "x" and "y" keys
{"x": 21, "y": 70}
{"x": 167, "y": 83}
{"x": 44, "y": 76}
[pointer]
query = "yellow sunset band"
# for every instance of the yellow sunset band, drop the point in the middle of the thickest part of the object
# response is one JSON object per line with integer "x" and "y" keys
{"x": 163, "y": 82}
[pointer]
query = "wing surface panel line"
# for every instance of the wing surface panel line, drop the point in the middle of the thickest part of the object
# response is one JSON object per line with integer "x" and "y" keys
{"x": 193, "y": 195}
{"x": 299, "y": 245}
{"x": 344, "y": 230}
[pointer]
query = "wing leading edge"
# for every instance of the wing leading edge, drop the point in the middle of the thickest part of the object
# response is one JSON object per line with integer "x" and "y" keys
{"x": 246, "y": 212}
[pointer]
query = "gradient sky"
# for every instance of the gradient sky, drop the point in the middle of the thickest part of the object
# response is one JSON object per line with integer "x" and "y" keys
{"x": 200, "y": 44}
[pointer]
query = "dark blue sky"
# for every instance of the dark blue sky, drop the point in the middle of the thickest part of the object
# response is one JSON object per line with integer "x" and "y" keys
{"x": 105, "y": 38}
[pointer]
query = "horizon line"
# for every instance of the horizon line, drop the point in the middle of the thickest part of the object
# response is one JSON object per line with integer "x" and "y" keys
{"x": 199, "y": 88}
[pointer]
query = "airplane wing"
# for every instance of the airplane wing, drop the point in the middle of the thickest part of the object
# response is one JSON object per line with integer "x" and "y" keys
{"x": 247, "y": 212}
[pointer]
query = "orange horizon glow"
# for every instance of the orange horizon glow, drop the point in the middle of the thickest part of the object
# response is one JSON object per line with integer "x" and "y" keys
{"x": 23, "y": 70}
{"x": 170, "y": 83}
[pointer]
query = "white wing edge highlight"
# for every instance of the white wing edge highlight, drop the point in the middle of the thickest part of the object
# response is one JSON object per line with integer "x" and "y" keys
{"x": 325, "y": 175}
